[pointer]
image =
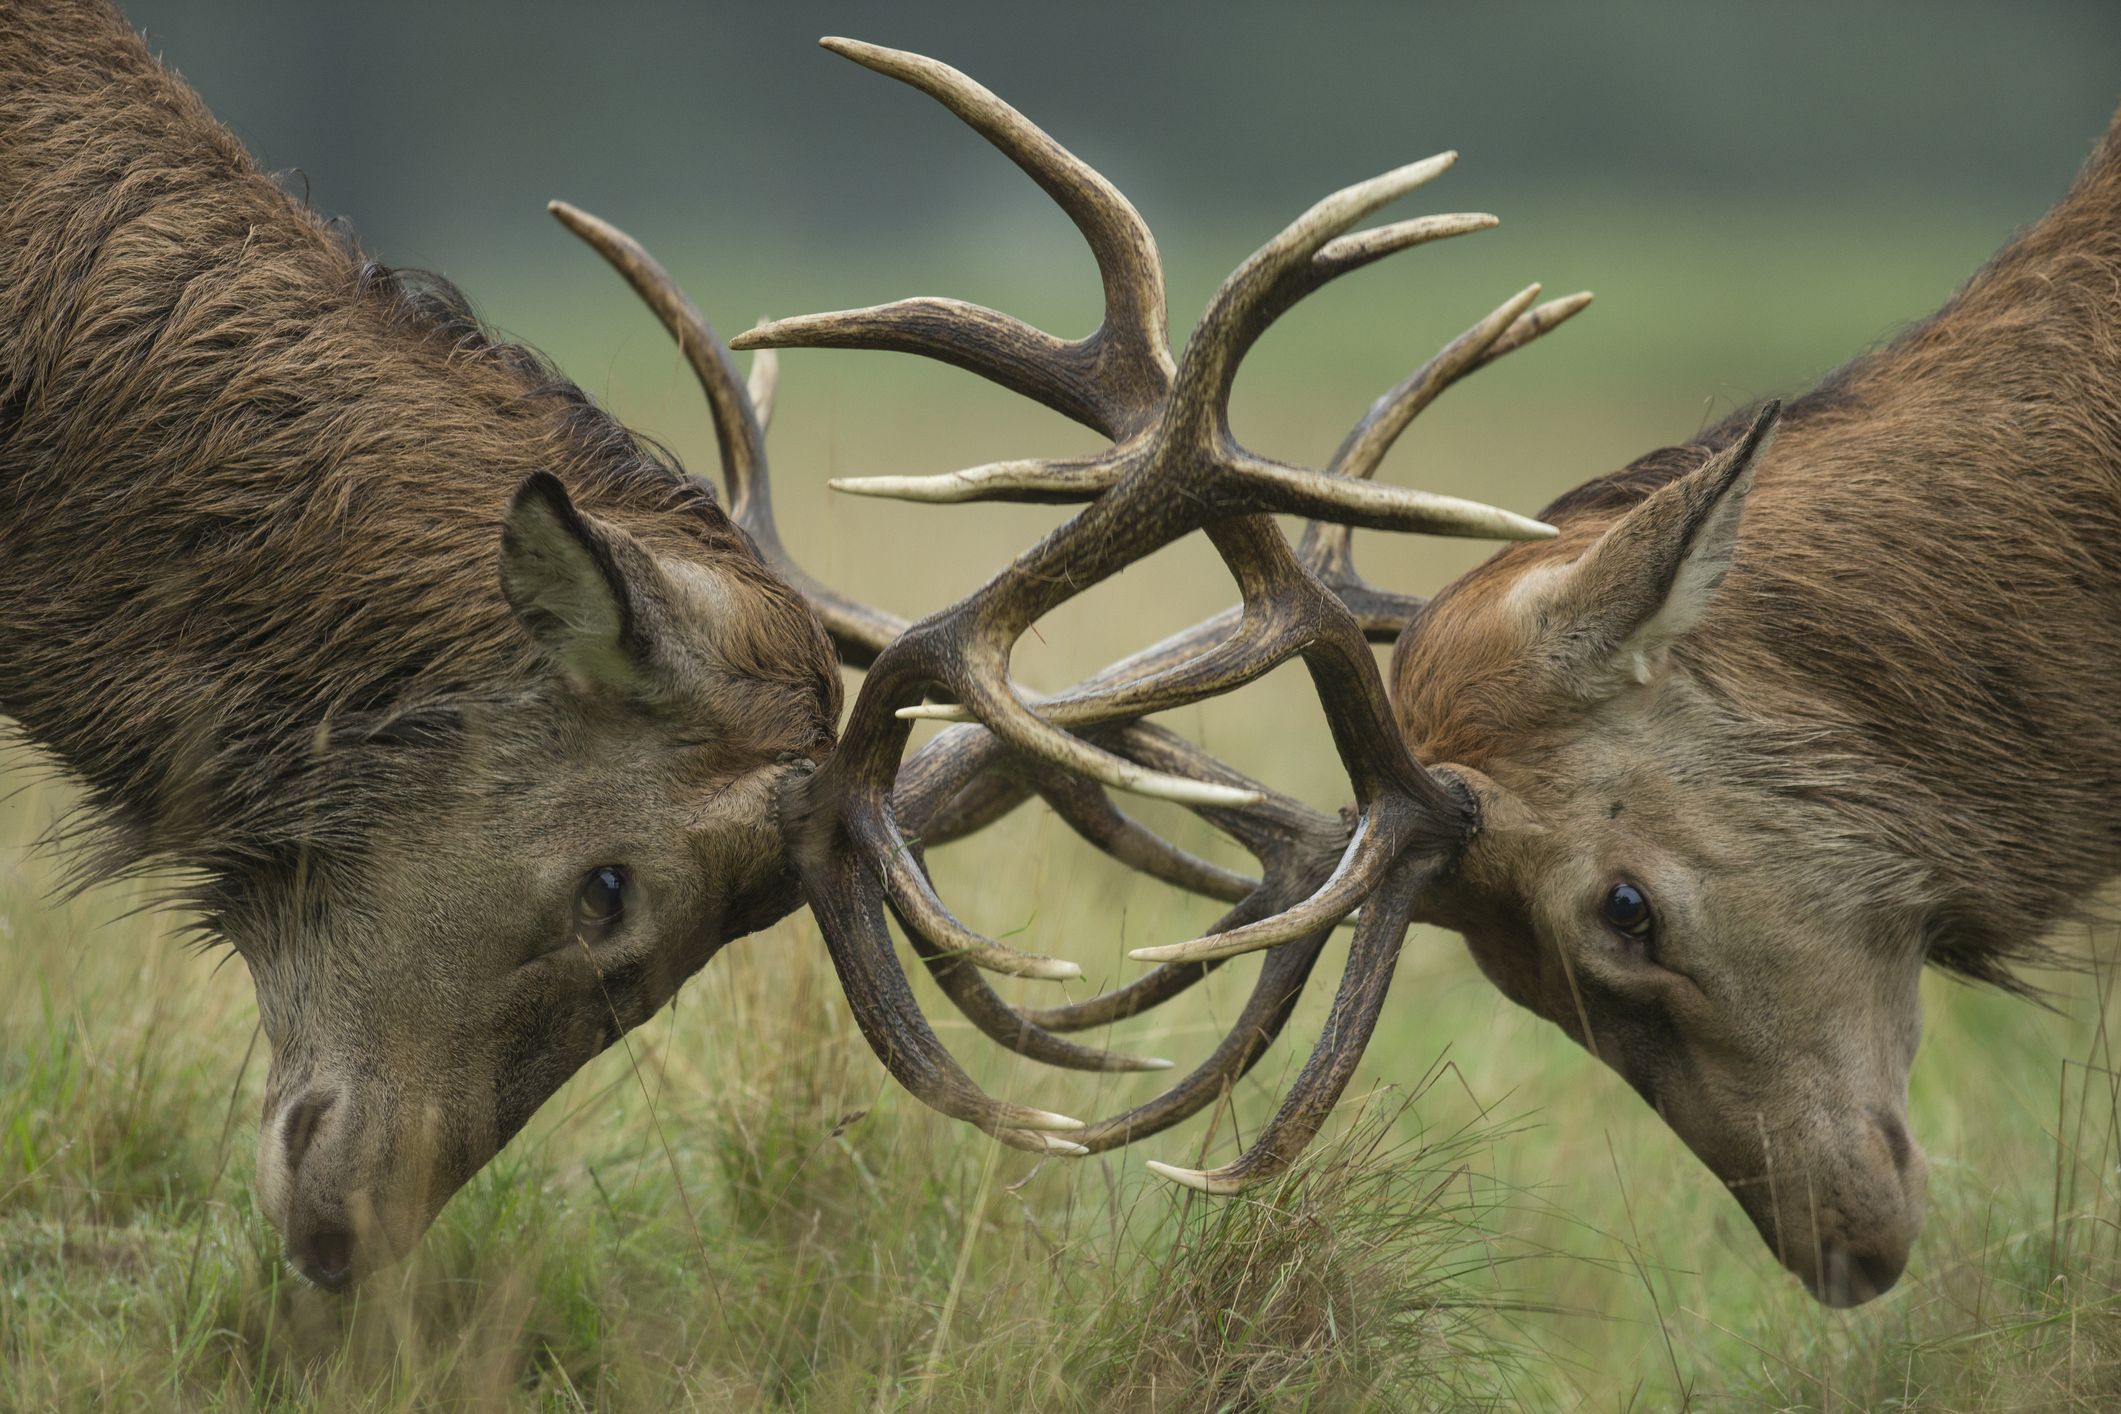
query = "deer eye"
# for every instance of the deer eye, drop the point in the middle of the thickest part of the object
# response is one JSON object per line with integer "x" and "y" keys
{"x": 600, "y": 902}
{"x": 1627, "y": 910}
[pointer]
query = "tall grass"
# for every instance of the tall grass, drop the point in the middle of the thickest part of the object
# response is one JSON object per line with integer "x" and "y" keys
{"x": 736, "y": 1209}
{"x": 732, "y": 1209}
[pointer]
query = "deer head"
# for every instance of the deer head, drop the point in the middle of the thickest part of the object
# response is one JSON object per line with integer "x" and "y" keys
{"x": 555, "y": 861}
{"x": 1637, "y": 877}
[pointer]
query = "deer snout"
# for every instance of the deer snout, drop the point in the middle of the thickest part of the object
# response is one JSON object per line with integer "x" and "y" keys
{"x": 347, "y": 1194}
{"x": 317, "y": 1236}
{"x": 1846, "y": 1226}
{"x": 1849, "y": 1276}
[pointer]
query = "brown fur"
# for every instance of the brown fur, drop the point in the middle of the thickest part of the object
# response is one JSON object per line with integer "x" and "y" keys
{"x": 1893, "y": 734}
{"x": 252, "y": 495}
{"x": 250, "y": 482}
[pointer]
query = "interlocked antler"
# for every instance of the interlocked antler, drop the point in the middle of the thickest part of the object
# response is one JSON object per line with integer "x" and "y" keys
{"x": 1173, "y": 468}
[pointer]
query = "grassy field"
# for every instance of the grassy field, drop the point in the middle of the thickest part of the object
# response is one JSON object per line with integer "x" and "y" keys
{"x": 736, "y": 1207}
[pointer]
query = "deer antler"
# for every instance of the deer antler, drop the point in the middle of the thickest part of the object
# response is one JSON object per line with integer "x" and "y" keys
{"x": 1173, "y": 468}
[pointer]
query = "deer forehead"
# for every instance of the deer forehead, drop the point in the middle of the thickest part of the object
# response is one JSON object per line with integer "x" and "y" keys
{"x": 703, "y": 599}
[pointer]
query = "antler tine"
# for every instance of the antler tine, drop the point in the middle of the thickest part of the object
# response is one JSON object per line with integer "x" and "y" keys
{"x": 1273, "y": 278}
{"x": 1297, "y": 847}
{"x": 969, "y": 991}
{"x": 737, "y": 426}
{"x": 1274, "y": 624}
{"x": 1288, "y": 837}
{"x": 1111, "y": 380}
{"x": 847, "y": 898}
{"x": 914, "y": 901}
{"x": 1089, "y": 811}
{"x": 1365, "y": 446}
{"x": 1295, "y": 844}
{"x": 1306, "y": 255}
{"x": 764, "y": 382}
{"x": 1266, "y": 1011}
{"x": 858, "y": 631}
{"x": 1064, "y": 480}
{"x": 1327, "y": 549}
{"x": 1372, "y": 958}
{"x": 966, "y": 778}
{"x": 956, "y": 785}
{"x": 1040, "y": 480}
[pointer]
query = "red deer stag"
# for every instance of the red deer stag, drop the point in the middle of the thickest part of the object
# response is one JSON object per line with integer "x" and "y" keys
{"x": 1761, "y": 732}
{"x": 476, "y": 727}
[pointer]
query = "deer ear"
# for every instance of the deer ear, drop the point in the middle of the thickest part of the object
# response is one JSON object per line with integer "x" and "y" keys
{"x": 1610, "y": 616}
{"x": 585, "y": 590}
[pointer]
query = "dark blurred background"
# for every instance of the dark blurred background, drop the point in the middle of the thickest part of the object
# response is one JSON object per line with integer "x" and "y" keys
{"x": 441, "y": 128}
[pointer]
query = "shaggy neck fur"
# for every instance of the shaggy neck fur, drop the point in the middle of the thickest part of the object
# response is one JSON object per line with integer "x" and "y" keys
{"x": 251, "y": 486}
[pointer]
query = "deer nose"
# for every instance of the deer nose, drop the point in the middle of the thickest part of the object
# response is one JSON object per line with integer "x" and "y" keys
{"x": 1851, "y": 1275}
{"x": 324, "y": 1254}
{"x": 1897, "y": 1143}
{"x": 314, "y": 1228}
{"x": 299, "y": 1126}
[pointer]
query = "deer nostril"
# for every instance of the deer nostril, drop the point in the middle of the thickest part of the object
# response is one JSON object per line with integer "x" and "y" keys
{"x": 1881, "y": 1269}
{"x": 1896, "y": 1140}
{"x": 300, "y": 1126}
{"x": 1849, "y": 1276}
{"x": 326, "y": 1258}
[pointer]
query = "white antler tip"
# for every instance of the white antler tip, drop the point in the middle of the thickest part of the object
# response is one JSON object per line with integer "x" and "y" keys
{"x": 1493, "y": 522}
{"x": 934, "y": 489}
{"x": 1199, "y": 949}
{"x": 1055, "y": 969}
{"x": 1430, "y": 168}
{"x": 1047, "y": 1119}
{"x": 1184, "y": 790}
{"x": 934, "y": 712}
{"x": 1205, "y": 1182}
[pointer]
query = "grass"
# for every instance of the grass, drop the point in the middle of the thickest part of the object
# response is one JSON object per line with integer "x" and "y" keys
{"x": 737, "y": 1208}
{"x": 805, "y": 1238}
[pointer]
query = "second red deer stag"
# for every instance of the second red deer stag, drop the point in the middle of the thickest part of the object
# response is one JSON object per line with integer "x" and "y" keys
{"x": 1779, "y": 716}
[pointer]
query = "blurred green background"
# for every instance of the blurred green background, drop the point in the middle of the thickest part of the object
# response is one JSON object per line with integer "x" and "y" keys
{"x": 1754, "y": 192}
